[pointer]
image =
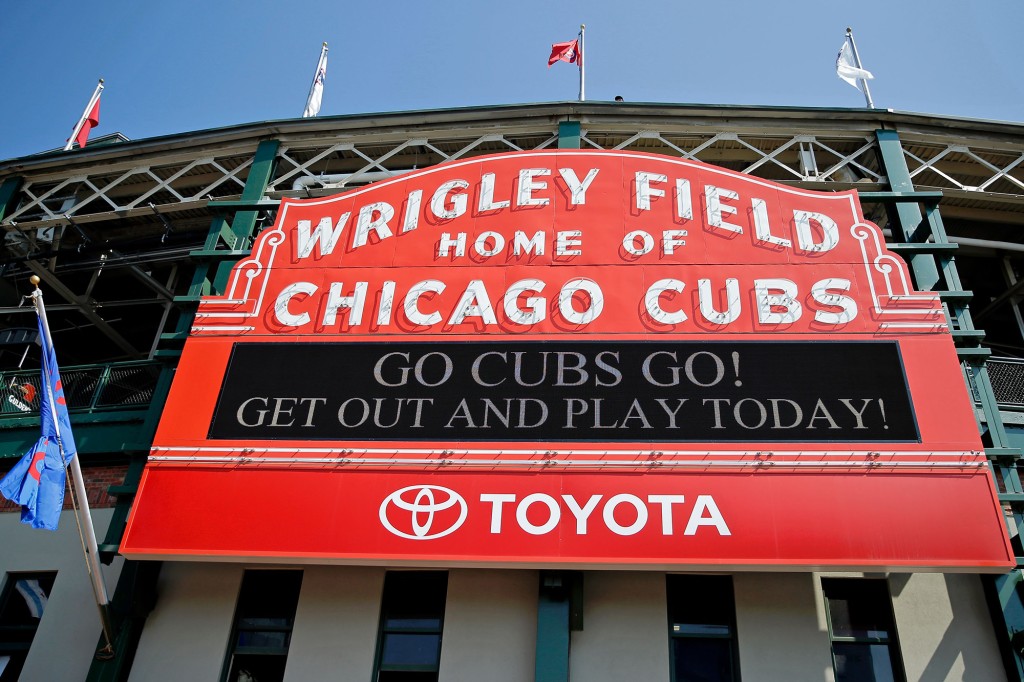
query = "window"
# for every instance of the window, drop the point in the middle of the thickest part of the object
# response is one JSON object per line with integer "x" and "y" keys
{"x": 264, "y": 618}
{"x": 863, "y": 633}
{"x": 702, "y": 629}
{"x": 22, "y": 603}
{"x": 411, "y": 620}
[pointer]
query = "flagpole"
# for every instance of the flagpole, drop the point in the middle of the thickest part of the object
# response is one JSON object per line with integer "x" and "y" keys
{"x": 85, "y": 518}
{"x": 856, "y": 59}
{"x": 88, "y": 110}
{"x": 583, "y": 29}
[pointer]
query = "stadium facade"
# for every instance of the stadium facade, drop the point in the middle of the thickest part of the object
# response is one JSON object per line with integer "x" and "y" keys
{"x": 594, "y": 390}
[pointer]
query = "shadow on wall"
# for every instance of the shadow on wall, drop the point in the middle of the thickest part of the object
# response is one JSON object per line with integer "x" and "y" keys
{"x": 965, "y": 637}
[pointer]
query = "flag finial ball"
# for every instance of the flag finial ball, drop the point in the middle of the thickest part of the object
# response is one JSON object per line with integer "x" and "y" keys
{"x": 35, "y": 280}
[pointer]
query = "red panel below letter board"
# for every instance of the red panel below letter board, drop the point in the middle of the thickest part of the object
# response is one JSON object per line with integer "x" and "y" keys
{"x": 750, "y": 520}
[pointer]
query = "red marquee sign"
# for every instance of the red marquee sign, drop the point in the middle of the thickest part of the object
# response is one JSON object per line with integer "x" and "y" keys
{"x": 572, "y": 358}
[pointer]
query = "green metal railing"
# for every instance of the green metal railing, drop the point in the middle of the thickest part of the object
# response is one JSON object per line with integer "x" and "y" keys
{"x": 87, "y": 388}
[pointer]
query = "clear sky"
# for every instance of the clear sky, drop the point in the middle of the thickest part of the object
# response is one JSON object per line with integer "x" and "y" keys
{"x": 173, "y": 67}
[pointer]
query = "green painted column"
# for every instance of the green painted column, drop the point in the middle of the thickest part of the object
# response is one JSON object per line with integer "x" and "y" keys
{"x": 569, "y": 134}
{"x": 8, "y": 193}
{"x": 559, "y": 612}
{"x": 244, "y": 222}
{"x": 1006, "y": 605}
{"x": 552, "y": 663}
{"x": 909, "y": 221}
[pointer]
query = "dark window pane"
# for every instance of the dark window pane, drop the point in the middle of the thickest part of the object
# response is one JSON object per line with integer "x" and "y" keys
{"x": 263, "y": 621}
{"x": 25, "y": 598}
{"x": 701, "y": 600}
{"x": 406, "y": 676}
{"x": 702, "y": 660}
{"x": 256, "y": 668}
{"x": 412, "y": 617}
{"x": 263, "y": 640}
{"x": 258, "y": 623}
{"x": 414, "y": 596}
{"x": 22, "y": 603}
{"x": 702, "y": 628}
{"x": 858, "y": 608}
{"x": 862, "y": 662}
{"x": 269, "y": 596}
{"x": 407, "y": 649}
{"x": 14, "y": 663}
{"x": 412, "y": 623}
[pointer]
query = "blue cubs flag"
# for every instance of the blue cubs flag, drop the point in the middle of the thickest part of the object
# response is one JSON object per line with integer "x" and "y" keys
{"x": 37, "y": 481}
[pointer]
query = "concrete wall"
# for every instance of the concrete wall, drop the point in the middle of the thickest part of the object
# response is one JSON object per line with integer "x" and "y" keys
{"x": 70, "y": 621}
{"x": 944, "y": 628}
{"x": 625, "y": 628}
{"x": 335, "y": 633}
{"x": 186, "y": 635}
{"x": 490, "y": 626}
{"x": 781, "y": 635}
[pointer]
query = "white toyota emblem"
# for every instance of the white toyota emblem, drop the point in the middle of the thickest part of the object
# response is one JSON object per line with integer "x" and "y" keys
{"x": 424, "y": 504}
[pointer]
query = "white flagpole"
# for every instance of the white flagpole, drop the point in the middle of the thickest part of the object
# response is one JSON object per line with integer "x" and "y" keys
{"x": 583, "y": 28}
{"x": 856, "y": 59}
{"x": 82, "y": 512}
{"x": 88, "y": 110}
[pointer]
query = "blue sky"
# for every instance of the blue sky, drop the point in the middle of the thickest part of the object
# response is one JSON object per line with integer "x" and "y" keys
{"x": 173, "y": 67}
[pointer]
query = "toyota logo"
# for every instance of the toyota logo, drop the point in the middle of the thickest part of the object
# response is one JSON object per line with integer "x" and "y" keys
{"x": 426, "y": 512}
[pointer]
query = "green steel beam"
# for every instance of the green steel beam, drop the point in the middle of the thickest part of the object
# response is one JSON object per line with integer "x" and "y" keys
{"x": 1003, "y": 593}
{"x": 559, "y": 612}
{"x": 95, "y": 434}
{"x": 553, "y": 606}
{"x": 134, "y": 597}
{"x": 8, "y": 191}
{"x": 244, "y": 222}
{"x": 909, "y": 197}
{"x": 909, "y": 221}
{"x": 569, "y": 135}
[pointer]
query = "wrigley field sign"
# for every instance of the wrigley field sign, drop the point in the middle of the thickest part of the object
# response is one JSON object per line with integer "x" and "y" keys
{"x": 572, "y": 358}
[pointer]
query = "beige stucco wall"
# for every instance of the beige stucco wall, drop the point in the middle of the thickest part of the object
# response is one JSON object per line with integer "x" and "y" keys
{"x": 625, "y": 628}
{"x": 490, "y": 626}
{"x": 186, "y": 635}
{"x": 944, "y": 628}
{"x": 781, "y": 636}
{"x": 70, "y": 620}
{"x": 335, "y": 633}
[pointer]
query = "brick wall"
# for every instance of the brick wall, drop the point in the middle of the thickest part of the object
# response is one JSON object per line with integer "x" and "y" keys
{"x": 97, "y": 480}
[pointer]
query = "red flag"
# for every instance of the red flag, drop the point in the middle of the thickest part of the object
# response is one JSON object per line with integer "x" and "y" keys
{"x": 90, "y": 122}
{"x": 566, "y": 52}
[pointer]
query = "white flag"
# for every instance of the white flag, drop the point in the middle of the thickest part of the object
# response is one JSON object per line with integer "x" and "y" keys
{"x": 35, "y": 598}
{"x": 316, "y": 91}
{"x": 847, "y": 68}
